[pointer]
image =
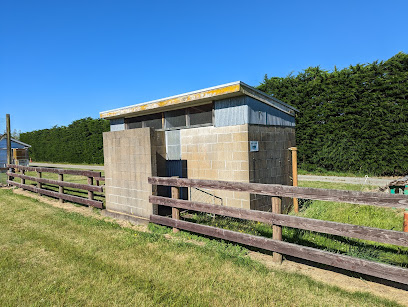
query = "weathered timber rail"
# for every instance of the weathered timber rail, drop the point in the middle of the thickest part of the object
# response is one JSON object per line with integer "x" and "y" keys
{"x": 384, "y": 271}
{"x": 353, "y": 197}
{"x": 333, "y": 228}
{"x": 91, "y": 175}
{"x": 59, "y": 183}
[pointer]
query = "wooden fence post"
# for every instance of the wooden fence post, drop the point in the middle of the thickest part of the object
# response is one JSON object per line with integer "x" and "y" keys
{"x": 175, "y": 213}
{"x": 294, "y": 176}
{"x": 22, "y": 173}
{"x": 277, "y": 230}
{"x": 12, "y": 170}
{"x": 405, "y": 220}
{"x": 60, "y": 188}
{"x": 90, "y": 193}
{"x": 39, "y": 184}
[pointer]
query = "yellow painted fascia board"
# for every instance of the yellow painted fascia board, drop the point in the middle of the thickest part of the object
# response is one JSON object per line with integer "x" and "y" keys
{"x": 170, "y": 102}
{"x": 199, "y": 97}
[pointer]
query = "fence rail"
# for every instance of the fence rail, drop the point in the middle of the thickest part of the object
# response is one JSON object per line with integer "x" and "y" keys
{"x": 353, "y": 197}
{"x": 385, "y": 271}
{"x": 59, "y": 183}
{"x": 91, "y": 175}
{"x": 85, "y": 173}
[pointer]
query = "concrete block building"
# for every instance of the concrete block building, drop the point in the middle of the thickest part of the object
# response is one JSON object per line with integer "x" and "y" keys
{"x": 230, "y": 132}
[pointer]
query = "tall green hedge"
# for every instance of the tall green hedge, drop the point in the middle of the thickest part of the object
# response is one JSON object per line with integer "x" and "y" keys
{"x": 353, "y": 119}
{"x": 80, "y": 142}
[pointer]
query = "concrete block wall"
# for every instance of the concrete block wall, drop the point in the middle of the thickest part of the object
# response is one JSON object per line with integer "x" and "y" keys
{"x": 272, "y": 164}
{"x": 214, "y": 153}
{"x": 217, "y": 153}
{"x": 130, "y": 158}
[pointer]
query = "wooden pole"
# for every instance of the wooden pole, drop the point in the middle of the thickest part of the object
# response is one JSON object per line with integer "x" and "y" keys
{"x": 405, "y": 221}
{"x": 8, "y": 132}
{"x": 294, "y": 176}
{"x": 39, "y": 184}
{"x": 277, "y": 230}
{"x": 60, "y": 188}
{"x": 90, "y": 193}
{"x": 175, "y": 213}
{"x": 22, "y": 173}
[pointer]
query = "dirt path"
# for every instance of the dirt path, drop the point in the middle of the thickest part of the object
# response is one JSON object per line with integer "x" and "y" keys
{"x": 342, "y": 281}
{"x": 75, "y": 166}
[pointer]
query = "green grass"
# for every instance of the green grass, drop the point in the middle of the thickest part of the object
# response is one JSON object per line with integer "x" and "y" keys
{"x": 371, "y": 216}
{"x": 384, "y": 218}
{"x": 3, "y": 178}
{"x": 53, "y": 257}
{"x": 338, "y": 186}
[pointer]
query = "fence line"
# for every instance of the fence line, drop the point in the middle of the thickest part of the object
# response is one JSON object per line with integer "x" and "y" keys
{"x": 385, "y": 271}
{"x": 61, "y": 195}
{"x": 353, "y": 197}
{"x": 333, "y": 228}
{"x": 58, "y": 182}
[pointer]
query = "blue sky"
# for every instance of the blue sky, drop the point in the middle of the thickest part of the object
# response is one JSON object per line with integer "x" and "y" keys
{"x": 65, "y": 60}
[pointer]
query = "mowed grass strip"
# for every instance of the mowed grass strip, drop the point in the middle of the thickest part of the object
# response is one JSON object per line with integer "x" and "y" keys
{"x": 371, "y": 216}
{"x": 49, "y": 256}
{"x": 3, "y": 178}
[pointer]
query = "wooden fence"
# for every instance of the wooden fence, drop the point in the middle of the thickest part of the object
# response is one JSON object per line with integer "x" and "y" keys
{"x": 90, "y": 187}
{"x": 277, "y": 220}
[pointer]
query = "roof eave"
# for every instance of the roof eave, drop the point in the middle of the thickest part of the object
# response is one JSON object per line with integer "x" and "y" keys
{"x": 174, "y": 102}
{"x": 267, "y": 99}
{"x": 195, "y": 98}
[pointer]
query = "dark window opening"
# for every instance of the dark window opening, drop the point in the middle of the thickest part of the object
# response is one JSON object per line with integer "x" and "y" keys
{"x": 201, "y": 115}
{"x": 152, "y": 120}
{"x": 189, "y": 117}
{"x": 175, "y": 119}
{"x": 134, "y": 123}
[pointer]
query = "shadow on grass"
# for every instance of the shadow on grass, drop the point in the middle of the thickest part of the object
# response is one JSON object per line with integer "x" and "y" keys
{"x": 297, "y": 260}
{"x": 346, "y": 246}
{"x": 72, "y": 192}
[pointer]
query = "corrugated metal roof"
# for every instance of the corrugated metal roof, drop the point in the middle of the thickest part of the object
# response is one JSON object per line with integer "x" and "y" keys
{"x": 198, "y": 97}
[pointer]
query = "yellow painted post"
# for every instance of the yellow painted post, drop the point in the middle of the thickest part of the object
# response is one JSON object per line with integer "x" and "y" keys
{"x": 294, "y": 176}
{"x": 277, "y": 230}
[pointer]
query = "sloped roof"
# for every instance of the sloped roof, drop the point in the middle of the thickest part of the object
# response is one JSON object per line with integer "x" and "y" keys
{"x": 4, "y": 136}
{"x": 223, "y": 91}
